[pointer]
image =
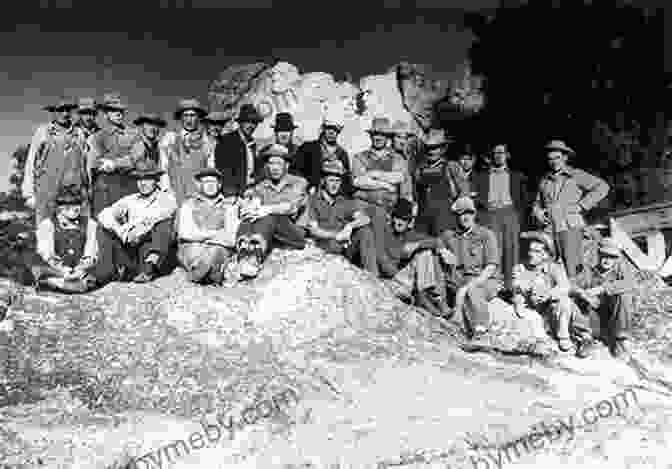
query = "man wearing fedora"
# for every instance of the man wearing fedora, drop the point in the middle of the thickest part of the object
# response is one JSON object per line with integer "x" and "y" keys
{"x": 67, "y": 246}
{"x": 502, "y": 201}
{"x": 207, "y": 223}
{"x": 434, "y": 186}
{"x": 216, "y": 123}
{"x": 463, "y": 170}
{"x": 608, "y": 290}
{"x": 236, "y": 152}
{"x": 86, "y": 125}
{"x": 110, "y": 160}
{"x": 146, "y": 148}
{"x": 283, "y": 130}
{"x": 310, "y": 156}
{"x": 269, "y": 212}
{"x": 402, "y": 144}
{"x": 187, "y": 150}
{"x": 565, "y": 194}
{"x": 338, "y": 222}
{"x": 54, "y": 161}
{"x": 137, "y": 230}
{"x": 380, "y": 178}
{"x": 540, "y": 284}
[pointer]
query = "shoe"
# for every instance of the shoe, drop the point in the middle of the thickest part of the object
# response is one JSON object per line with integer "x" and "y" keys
{"x": 143, "y": 277}
{"x": 480, "y": 340}
{"x": 620, "y": 349}
{"x": 565, "y": 344}
{"x": 585, "y": 349}
{"x": 423, "y": 300}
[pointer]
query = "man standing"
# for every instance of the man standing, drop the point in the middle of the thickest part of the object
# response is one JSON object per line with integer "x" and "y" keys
{"x": 54, "y": 161}
{"x": 206, "y": 229}
{"x": 462, "y": 171}
{"x": 310, "y": 156}
{"x": 474, "y": 278}
{"x": 186, "y": 151}
{"x": 401, "y": 144}
{"x": 236, "y": 152}
{"x": 269, "y": 212}
{"x": 501, "y": 202}
{"x": 110, "y": 160}
{"x": 339, "y": 223}
{"x": 284, "y": 135}
{"x": 137, "y": 231}
{"x": 86, "y": 125}
{"x": 565, "y": 194}
{"x": 146, "y": 148}
{"x": 216, "y": 122}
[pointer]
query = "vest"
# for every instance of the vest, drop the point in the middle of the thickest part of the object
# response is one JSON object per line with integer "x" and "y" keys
{"x": 434, "y": 188}
{"x": 185, "y": 157}
{"x": 380, "y": 196}
{"x": 69, "y": 243}
{"x": 211, "y": 217}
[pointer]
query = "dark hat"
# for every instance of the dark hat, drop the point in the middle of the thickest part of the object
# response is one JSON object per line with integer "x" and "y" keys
{"x": 284, "y": 122}
{"x": 218, "y": 117}
{"x": 150, "y": 118}
{"x": 462, "y": 205}
{"x": 403, "y": 210}
{"x": 112, "y": 102}
{"x": 249, "y": 113}
{"x": 559, "y": 145}
{"x": 275, "y": 149}
{"x": 333, "y": 168}
{"x": 147, "y": 169}
{"x": 87, "y": 105}
{"x": 63, "y": 103}
{"x": 69, "y": 196}
{"x": 543, "y": 238}
{"x": 208, "y": 172}
{"x": 190, "y": 104}
{"x": 437, "y": 138}
{"x": 466, "y": 149}
{"x": 609, "y": 247}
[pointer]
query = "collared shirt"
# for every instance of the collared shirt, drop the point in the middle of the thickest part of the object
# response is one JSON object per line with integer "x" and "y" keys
{"x": 544, "y": 277}
{"x": 146, "y": 150}
{"x": 290, "y": 189}
{"x": 618, "y": 280}
{"x": 114, "y": 143}
{"x": 474, "y": 249}
{"x": 330, "y": 214}
{"x": 384, "y": 160}
{"x": 199, "y": 214}
{"x": 134, "y": 208}
{"x": 46, "y": 243}
{"x": 500, "y": 188}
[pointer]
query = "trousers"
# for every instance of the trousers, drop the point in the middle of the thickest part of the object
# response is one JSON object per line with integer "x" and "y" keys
{"x": 204, "y": 263}
{"x": 361, "y": 250}
{"x": 273, "y": 227}
{"x": 505, "y": 223}
{"x": 570, "y": 249}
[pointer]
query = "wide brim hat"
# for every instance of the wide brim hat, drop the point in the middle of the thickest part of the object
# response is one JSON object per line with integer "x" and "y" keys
{"x": 403, "y": 210}
{"x": 437, "y": 138}
{"x": 332, "y": 168}
{"x": 190, "y": 104}
{"x": 249, "y": 113}
{"x": 609, "y": 247}
{"x": 217, "y": 117}
{"x": 150, "y": 118}
{"x": 284, "y": 122}
{"x": 87, "y": 105}
{"x": 380, "y": 126}
{"x": 208, "y": 172}
{"x": 463, "y": 205}
{"x": 147, "y": 170}
{"x": 559, "y": 145}
{"x": 275, "y": 150}
{"x": 543, "y": 238}
{"x": 69, "y": 197}
{"x": 62, "y": 104}
{"x": 112, "y": 102}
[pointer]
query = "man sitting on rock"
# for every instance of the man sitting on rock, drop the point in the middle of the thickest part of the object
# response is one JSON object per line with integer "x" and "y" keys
{"x": 269, "y": 212}
{"x": 339, "y": 223}
{"x": 541, "y": 284}
{"x": 206, "y": 229}
{"x": 137, "y": 230}
{"x": 608, "y": 289}
{"x": 67, "y": 247}
{"x": 411, "y": 263}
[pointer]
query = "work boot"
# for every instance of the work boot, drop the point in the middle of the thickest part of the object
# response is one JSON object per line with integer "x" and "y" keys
{"x": 620, "y": 349}
{"x": 424, "y": 300}
{"x": 585, "y": 348}
{"x": 565, "y": 344}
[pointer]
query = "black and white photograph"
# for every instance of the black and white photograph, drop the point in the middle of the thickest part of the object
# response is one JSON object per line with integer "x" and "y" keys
{"x": 303, "y": 235}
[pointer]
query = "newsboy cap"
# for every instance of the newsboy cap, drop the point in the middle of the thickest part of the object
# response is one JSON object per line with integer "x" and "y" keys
{"x": 150, "y": 118}
{"x": 463, "y": 205}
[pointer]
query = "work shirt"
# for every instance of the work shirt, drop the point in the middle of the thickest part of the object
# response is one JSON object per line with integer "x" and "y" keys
{"x": 114, "y": 143}
{"x": 474, "y": 249}
{"x": 542, "y": 278}
{"x": 289, "y": 189}
{"x": 135, "y": 208}
{"x": 387, "y": 161}
{"x": 199, "y": 214}
{"x": 63, "y": 242}
{"x": 460, "y": 179}
{"x": 499, "y": 195}
{"x": 146, "y": 150}
{"x": 616, "y": 281}
{"x": 569, "y": 193}
{"x": 395, "y": 242}
{"x": 330, "y": 215}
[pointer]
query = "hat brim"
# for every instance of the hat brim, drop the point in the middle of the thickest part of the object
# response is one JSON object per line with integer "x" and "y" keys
{"x": 387, "y": 133}
{"x": 87, "y": 110}
{"x": 331, "y": 173}
{"x": 284, "y": 128}
{"x": 62, "y": 107}
{"x": 69, "y": 201}
{"x": 609, "y": 252}
{"x": 216, "y": 121}
{"x": 145, "y": 120}
{"x": 253, "y": 119}
{"x": 200, "y": 175}
{"x": 113, "y": 107}
{"x": 147, "y": 174}
{"x": 178, "y": 114}
{"x": 463, "y": 211}
{"x": 565, "y": 150}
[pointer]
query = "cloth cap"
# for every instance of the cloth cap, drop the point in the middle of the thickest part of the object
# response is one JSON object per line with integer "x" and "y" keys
{"x": 208, "y": 172}
{"x": 249, "y": 113}
{"x": 403, "y": 210}
{"x": 609, "y": 247}
{"x": 559, "y": 145}
{"x": 462, "y": 205}
{"x": 275, "y": 150}
{"x": 190, "y": 104}
{"x": 333, "y": 168}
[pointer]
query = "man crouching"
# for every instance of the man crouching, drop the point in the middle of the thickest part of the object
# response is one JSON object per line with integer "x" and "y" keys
{"x": 269, "y": 211}
{"x": 206, "y": 229}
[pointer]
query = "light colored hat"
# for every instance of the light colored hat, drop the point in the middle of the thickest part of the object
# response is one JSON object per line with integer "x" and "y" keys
{"x": 87, "y": 105}
{"x": 436, "y": 138}
{"x": 609, "y": 247}
{"x": 333, "y": 168}
{"x": 332, "y": 120}
{"x": 190, "y": 104}
{"x": 112, "y": 102}
{"x": 559, "y": 145}
{"x": 542, "y": 238}
{"x": 380, "y": 125}
{"x": 275, "y": 150}
{"x": 462, "y": 205}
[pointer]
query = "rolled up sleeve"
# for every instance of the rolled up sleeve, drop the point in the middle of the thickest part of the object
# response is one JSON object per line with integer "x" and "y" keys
{"x": 594, "y": 189}
{"x": 45, "y": 240}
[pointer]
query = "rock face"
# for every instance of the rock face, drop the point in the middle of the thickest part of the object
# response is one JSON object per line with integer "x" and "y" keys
{"x": 405, "y": 92}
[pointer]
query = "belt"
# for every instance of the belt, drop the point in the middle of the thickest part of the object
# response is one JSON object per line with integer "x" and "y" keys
{"x": 498, "y": 207}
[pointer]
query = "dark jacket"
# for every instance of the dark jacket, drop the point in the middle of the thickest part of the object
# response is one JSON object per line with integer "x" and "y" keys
{"x": 518, "y": 186}
{"x": 307, "y": 163}
{"x": 231, "y": 160}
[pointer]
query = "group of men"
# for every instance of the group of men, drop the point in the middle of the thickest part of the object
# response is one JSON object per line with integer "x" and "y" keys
{"x": 120, "y": 203}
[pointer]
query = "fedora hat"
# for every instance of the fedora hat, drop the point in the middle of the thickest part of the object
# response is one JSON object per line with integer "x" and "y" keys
{"x": 249, "y": 113}
{"x": 463, "y": 205}
{"x": 333, "y": 168}
{"x": 275, "y": 149}
{"x": 112, "y": 102}
{"x": 147, "y": 169}
{"x": 380, "y": 125}
{"x": 609, "y": 247}
{"x": 189, "y": 104}
{"x": 559, "y": 145}
{"x": 69, "y": 196}
{"x": 284, "y": 122}
{"x": 217, "y": 117}
{"x": 62, "y": 104}
{"x": 86, "y": 105}
{"x": 543, "y": 238}
{"x": 150, "y": 118}
{"x": 436, "y": 138}
{"x": 403, "y": 210}
{"x": 208, "y": 172}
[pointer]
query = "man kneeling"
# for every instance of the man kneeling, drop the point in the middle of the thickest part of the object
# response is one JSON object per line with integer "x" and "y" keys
{"x": 137, "y": 230}
{"x": 67, "y": 247}
{"x": 206, "y": 229}
{"x": 338, "y": 223}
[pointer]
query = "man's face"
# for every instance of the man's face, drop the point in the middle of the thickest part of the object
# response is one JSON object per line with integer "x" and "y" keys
{"x": 70, "y": 212}
{"x": 210, "y": 186}
{"x": 607, "y": 262}
{"x": 467, "y": 162}
{"x": 283, "y": 137}
{"x": 332, "y": 184}
{"x": 87, "y": 118}
{"x": 499, "y": 155}
{"x": 378, "y": 141}
{"x": 466, "y": 219}
{"x": 556, "y": 160}
{"x": 248, "y": 128}
{"x": 115, "y": 117}
{"x": 537, "y": 253}
{"x": 63, "y": 116}
{"x": 215, "y": 129}
{"x": 147, "y": 185}
{"x": 330, "y": 135}
{"x": 277, "y": 167}
{"x": 400, "y": 142}
{"x": 190, "y": 119}
{"x": 399, "y": 225}
{"x": 151, "y": 131}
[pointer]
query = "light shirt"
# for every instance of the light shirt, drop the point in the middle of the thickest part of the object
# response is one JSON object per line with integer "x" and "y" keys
{"x": 290, "y": 189}
{"x": 46, "y": 244}
{"x": 132, "y": 209}
{"x": 219, "y": 214}
{"x": 500, "y": 188}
